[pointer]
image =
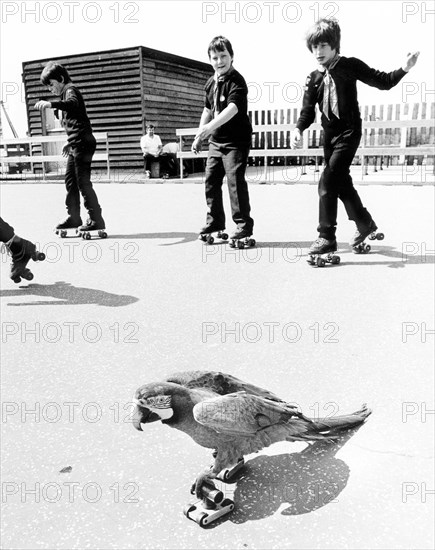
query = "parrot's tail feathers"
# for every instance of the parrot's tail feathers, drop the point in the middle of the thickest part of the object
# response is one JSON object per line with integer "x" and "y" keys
{"x": 333, "y": 425}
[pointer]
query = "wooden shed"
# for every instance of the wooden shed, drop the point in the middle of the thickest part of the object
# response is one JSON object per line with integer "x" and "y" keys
{"x": 124, "y": 90}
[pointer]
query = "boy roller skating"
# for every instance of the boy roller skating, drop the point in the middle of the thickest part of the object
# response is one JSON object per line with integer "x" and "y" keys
{"x": 333, "y": 88}
{"x": 226, "y": 123}
{"x": 21, "y": 250}
{"x": 79, "y": 150}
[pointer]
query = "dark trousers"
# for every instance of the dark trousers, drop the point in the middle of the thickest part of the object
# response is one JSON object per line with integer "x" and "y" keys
{"x": 223, "y": 161}
{"x": 169, "y": 164}
{"x": 149, "y": 159}
{"x": 336, "y": 183}
{"x": 78, "y": 181}
{"x": 6, "y": 231}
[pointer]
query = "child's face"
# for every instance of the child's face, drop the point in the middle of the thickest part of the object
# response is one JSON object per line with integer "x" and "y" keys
{"x": 221, "y": 61}
{"x": 55, "y": 86}
{"x": 323, "y": 53}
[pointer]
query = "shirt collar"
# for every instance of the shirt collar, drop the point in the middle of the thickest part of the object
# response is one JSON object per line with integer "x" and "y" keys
{"x": 224, "y": 76}
{"x": 331, "y": 65}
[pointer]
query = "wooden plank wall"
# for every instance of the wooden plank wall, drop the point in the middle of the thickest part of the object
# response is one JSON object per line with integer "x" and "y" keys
{"x": 124, "y": 89}
{"x": 174, "y": 95}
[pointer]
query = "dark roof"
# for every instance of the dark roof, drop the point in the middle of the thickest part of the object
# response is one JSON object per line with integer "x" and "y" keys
{"x": 146, "y": 52}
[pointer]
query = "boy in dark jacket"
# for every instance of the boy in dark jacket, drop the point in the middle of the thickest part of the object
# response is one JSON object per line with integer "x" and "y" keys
{"x": 226, "y": 123}
{"x": 79, "y": 148}
{"x": 333, "y": 88}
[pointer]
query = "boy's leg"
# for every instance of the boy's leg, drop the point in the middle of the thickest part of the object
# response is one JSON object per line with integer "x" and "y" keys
{"x": 328, "y": 194}
{"x": 83, "y": 164}
{"x": 235, "y": 162}
{"x": 6, "y": 231}
{"x": 214, "y": 175}
{"x": 347, "y": 192}
{"x": 72, "y": 200}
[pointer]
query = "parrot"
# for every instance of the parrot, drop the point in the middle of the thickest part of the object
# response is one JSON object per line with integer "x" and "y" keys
{"x": 230, "y": 416}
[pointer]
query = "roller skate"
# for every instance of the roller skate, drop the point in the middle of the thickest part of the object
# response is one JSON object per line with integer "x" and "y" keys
{"x": 206, "y": 234}
{"x": 68, "y": 228}
{"x": 22, "y": 252}
{"x": 357, "y": 242}
{"x": 229, "y": 473}
{"x": 242, "y": 238}
{"x": 212, "y": 506}
{"x": 322, "y": 251}
{"x": 93, "y": 228}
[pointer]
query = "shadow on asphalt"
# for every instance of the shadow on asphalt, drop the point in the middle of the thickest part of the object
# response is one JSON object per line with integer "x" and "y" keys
{"x": 184, "y": 237}
{"x": 65, "y": 294}
{"x": 303, "y": 482}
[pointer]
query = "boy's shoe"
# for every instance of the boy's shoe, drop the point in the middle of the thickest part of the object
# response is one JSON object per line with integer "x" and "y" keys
{"x": 361, "y": 234}
{"x": 69, "y": 223}
{"x": 211, "y": 228}
{"x": 323, "y": 246}
{"x": 93, "y": 225}
{"x": 240, "y": 233}
{"x": 22, "y": 251}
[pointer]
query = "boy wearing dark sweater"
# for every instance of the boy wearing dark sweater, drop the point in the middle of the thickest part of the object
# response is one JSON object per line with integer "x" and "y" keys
{"x": 226, "y": 123}
{"x": 333, "y": 88}
{"x": 79, "y": 149}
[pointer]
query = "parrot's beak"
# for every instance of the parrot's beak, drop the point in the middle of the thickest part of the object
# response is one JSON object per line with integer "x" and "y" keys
{"x": 142, "y": 415}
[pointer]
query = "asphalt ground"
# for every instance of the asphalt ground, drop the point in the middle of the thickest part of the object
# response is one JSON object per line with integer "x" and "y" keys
{"x": 103, "y": 317}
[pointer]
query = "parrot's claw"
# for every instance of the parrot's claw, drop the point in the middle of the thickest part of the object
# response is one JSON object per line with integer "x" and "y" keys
{"x": 200, "y": 481}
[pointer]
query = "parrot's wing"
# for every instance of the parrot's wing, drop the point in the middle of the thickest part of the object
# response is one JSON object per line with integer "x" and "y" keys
{"x": 220, "y": 383}
{"x": 241, "y": 413}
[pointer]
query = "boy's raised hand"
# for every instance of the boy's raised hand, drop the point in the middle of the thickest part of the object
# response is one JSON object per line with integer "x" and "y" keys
{"x": 42, "y": 104}
{"x": 197, "y": 145}
{"x": 66, "y": 149}
{"x": 411, "y": 60}
{"x": 295, "y": 138}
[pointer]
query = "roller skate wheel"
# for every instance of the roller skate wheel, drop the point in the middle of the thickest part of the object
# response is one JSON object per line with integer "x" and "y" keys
{"x": 224, "y": 236}
{"x": 335, "y": 260}
{"x": 188, "y": 509}
{"x": 320, "y": 262}
{"x": 226, "y": 476}
{"x": 227, "y": 502}
{"x": 367, "y": 249}
{"x": 28, "y": 276}
{"x": 63, "y": 234}
{"x": 41, "y": 256}
{"x": 240, "y": 244}
{"x": 102, "y": 234}
{"x": 252, "y": 242}
{"x": 87, "y": 236}
{"x": 380, "y": 236}
{"x": 17, "y": 280}
{"x": 372, "y": 236}
{"x": 202, "y": 519}
{"x": 210, "y": 240}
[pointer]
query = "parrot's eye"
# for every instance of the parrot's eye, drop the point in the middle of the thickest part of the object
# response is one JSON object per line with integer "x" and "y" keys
{"x": 159, "y": 402}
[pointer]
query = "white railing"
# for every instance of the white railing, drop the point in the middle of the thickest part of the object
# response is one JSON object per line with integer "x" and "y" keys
{"x": 35, "y": 157}
{"x": 304, "y": 151}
